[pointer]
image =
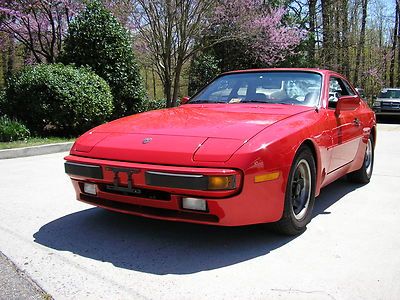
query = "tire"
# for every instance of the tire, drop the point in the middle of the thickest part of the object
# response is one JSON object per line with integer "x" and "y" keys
{"x": 363, "y": 175}
{"x": 299, "y": 195}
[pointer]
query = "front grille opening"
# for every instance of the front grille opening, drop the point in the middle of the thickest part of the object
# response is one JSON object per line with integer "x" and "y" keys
{"x": 147, "y": 210}
{"x": 136, "y": 192}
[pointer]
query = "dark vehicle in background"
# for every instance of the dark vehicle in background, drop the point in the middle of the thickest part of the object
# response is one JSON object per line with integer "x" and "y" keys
{"x": 388, "y": 102}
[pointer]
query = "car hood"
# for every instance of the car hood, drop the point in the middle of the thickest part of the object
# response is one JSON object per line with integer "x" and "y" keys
{"x": 182, "y": 135}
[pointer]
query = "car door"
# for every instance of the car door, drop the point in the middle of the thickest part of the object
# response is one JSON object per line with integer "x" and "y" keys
{"x": 346, "y": 127}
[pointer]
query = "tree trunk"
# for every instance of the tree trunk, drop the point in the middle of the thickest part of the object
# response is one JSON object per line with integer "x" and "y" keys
{"x": 353, "y": 37}
{"x": 345, "y": 39}
{"x": 146, "y": 79}
{"x": 338, "y": 42}
{"x": 10, "y": 57}
{"x": 154, "y": 84}
{"x": 326, "y": 33}
{"x": 167, "y": 92}
{"x": 398, "y": 43}
{"x": 385, "y": 77}
{"x": 394, "y": 46}
{"x": 313, "y": 17}
{"x": 360, "y": 48}
{"x": 4, "y": 60}
{"x": 177, "y": 79}
{"x": 167, "y": 82}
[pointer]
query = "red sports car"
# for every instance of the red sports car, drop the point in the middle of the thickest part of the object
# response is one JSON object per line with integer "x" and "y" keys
{"x": 253, "y": 146}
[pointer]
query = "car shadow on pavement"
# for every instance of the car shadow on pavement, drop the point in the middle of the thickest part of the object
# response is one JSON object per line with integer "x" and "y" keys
{"x": 162, "y": 247}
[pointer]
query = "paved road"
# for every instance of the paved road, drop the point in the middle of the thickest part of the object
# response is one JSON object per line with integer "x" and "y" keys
{"x": 16, "y": 285}
{"x": 73, "y": 251}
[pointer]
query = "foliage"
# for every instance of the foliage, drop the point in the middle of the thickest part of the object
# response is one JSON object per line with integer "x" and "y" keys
{"x": 156, "y": 104}
{"x": 95, "y": 38}
{"x": 167, "y": 32}
{"x": 12, "y": 130}
{"x": 58, "y": 99}
{"x": 39, "y": 25}
{"x": 256, "y": 34}
{"x": 203, "y": 69}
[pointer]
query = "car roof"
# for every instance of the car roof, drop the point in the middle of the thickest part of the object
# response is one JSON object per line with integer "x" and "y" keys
{"x": 314, "y": 70}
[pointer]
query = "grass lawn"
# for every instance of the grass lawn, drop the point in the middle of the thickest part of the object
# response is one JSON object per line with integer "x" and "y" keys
{"x": 35, "y": 141}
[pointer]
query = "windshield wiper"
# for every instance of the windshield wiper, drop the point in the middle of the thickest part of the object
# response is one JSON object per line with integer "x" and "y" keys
{"x": 255, "y": 101}
{"x": 284, "y": 103}
{"x": 205, "y": 101}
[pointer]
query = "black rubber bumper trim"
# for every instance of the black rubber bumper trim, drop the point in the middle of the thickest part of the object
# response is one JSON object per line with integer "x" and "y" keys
{"x": 89, "y": 171}
{"x": 180, "y": 181}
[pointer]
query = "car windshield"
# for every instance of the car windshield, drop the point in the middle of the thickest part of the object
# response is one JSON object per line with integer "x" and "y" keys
{"x": 387, "y": 94}
{"x": 299, "y": 88}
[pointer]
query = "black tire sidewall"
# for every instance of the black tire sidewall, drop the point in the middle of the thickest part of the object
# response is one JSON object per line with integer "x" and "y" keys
{"x": 368, "y": 176}
{"x": 361, "y": 175}
{"x": 299, "y": 225}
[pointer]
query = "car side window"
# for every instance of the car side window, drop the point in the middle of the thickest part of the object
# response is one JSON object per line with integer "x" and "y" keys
{"x": 335, "y": 92}
{"x": 337, "y": 89}
{"x": 350, "y": 91}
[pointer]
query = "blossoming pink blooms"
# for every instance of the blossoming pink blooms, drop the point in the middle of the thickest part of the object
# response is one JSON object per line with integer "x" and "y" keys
{"x": 261, "y": 26}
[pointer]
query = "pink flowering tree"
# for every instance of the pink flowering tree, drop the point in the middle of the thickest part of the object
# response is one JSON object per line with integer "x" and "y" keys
{"x": 259, "y": 27}
{"x": 40, "y": 25}
{"x": 122, "y": 10}
{"x": 244, "y": 34}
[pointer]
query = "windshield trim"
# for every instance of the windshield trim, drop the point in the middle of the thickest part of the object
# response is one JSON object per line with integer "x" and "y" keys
{"x": 317, "y": 105}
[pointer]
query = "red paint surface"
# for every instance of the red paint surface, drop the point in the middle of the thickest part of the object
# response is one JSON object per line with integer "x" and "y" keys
{"x": 244, "y": 139}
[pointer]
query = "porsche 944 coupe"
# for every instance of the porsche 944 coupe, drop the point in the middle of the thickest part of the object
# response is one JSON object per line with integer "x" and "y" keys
{"x": 253, "y": 146}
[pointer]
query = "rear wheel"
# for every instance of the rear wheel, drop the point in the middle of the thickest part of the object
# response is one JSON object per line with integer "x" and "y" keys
{"x": 300, "y": 194}
{"x": 363, "y": 175}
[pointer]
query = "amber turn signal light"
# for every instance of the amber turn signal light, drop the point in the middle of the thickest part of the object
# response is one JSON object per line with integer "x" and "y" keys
{"x": 221, "y": 182}
{"x": 266, "y": 177}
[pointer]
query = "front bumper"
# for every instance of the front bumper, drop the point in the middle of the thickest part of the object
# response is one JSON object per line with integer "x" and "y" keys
{"x": 250, "y": 203}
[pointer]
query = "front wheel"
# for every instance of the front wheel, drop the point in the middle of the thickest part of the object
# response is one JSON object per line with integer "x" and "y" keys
{"x": 300, "y": 194}
{"x": 363, "y": 175}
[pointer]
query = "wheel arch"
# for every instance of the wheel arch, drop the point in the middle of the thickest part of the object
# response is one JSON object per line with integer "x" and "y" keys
{"x": 373, "y": 132}
{"x": 317, "y": 159}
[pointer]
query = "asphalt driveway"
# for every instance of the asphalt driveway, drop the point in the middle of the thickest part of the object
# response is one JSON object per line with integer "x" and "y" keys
{"x": 72, "y": 250}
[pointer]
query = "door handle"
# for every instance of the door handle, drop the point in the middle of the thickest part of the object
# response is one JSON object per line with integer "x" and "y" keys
{"x": 357, "y": 122}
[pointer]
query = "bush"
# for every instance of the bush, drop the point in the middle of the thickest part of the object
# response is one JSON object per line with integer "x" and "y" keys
{"x": 202, "y": 70}
{"x": 95, "y": 38}
{"x": 58, "y": 99}
{"x": 156, "y": 104}
{"x": 11, "y": 130}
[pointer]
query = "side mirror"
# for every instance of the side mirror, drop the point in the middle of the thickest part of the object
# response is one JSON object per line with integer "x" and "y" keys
{"x": 347, "y": 103}
{"x": 185, "y": 100}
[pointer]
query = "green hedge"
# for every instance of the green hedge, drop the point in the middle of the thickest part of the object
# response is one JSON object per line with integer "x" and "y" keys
{"x": 156, "y": 104}
{"x": 96, "y": 39}
{"x": 58, "y": 99}
{"x": 11, "y": 130}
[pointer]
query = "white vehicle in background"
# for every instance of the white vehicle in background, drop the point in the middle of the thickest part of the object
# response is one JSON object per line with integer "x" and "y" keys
{"x": 388, "y": 102}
